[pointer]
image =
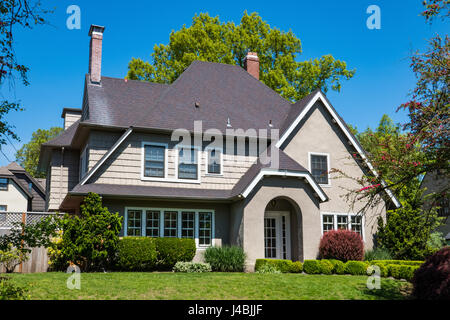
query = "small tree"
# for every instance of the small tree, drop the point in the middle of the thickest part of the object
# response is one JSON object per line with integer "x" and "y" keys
{"x": 91, "y": 239}
{"x": 342, "y": 245}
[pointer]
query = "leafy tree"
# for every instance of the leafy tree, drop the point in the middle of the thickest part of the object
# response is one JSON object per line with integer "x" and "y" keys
{"x": 209, "y": 39}
{"x": 28, "y": 155}
{"x": 89, "y": 240}
{"x": 13, "y": 13}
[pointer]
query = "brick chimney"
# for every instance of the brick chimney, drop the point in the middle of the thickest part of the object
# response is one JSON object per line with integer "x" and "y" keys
{"x": 95, "y": 53}
{"x": 251, "y": 64}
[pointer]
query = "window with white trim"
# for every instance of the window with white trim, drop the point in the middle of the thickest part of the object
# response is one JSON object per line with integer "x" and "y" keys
{"x": 339, "y": 221}
{"x": 214, "y": 161}
{"x": 197, "y": 224}
{"x": 84, "y": 162}
{"x": 187, "y": 163}
{"x": 154, "y": 160}
{"x": 3, "y": 207}
{"x": 319, "y": 168}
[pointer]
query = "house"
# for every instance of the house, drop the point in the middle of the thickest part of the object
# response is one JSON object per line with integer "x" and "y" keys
{"x": 437, "y": 182}
{"x": 257, "y": 175}
{"x": 19, "y": 191}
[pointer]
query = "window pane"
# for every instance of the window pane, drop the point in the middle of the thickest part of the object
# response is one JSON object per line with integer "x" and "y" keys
{"x": 170, "y": 224}
{"x": 3, "y": 184}
{"x": 342, "y": 222}
{"x": 270, "y": 243}
{"x": 152, "y": 224}
{"x": 204, "y": 228}
{"x": 328, "y": 223}
{"x": 187, "y": 163}
{"x": 356, "y": 223}
{"x": 319, "y": 168}
{"x": 187, "y": 224}
{"x": 2, "y": 208}
{"x": 154, "y": 161}
{"x": 134, "y": 222}
{"x": 214, "y": 161}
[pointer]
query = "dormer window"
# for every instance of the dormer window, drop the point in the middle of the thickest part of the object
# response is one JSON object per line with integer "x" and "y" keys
{"x": 188, "y": 163}
{"x": 214, "y": 164}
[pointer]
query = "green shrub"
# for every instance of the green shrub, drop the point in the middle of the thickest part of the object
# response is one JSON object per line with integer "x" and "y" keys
{"x": 11, "y": 258}
{"x": 384, "y": 271}
{"x": 10, "y": 291}
{"x": 172, "y": 250}
{"x": 267, "y": 268}
{"x": 403, "y": 262}
{"x": 225, "y": 259}
{"x": 326, "y": 267}
{"x": 136, "y": 254}
{"x": 356, "y": 267}
{"x": 312, "y": 266}
{"x": 338, "y": 266}
{"x": 377, "y": 254}
{"x": 191, "y": 267}
{"x": 297, "y": 267}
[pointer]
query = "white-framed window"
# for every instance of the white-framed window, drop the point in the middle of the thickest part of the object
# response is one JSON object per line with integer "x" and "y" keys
{"x": 154, "y": 160}
{"x": 188, "y": 163}
{"x": 3, "y": 207}
{"x": 84, "y": 161}
{"x": 214, "y": 161}
{"x": 339, "y": 221}
{"x": 197, "y": 224}
{"x": 4, "y": 184}
{"x": 319, "y": 166}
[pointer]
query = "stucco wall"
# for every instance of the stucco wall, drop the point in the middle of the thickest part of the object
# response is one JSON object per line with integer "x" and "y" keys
{"x": 14, "y": 198}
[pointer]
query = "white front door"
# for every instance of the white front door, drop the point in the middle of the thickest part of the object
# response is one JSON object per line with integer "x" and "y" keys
{"x": 277, "y": 238}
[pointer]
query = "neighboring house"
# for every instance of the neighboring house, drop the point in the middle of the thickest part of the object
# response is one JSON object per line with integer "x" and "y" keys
{"x": 19, "y": 191}
{"x": 119, "y": 145}
{"x": 436, "y": 182}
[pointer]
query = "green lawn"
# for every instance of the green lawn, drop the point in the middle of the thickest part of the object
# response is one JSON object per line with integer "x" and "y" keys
{"x": 224, "y": 286}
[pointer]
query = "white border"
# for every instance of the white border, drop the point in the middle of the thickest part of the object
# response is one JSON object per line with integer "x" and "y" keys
{"x": 166, "y": 160}
{"x": 349, "y": 221}
{"x": 294, "y": 124}
{"x": 161, "y": 222}
{"x": 328, "y": 166}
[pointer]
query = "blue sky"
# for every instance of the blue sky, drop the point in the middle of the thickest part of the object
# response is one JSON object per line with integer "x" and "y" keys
{"x": 58, "y": 57}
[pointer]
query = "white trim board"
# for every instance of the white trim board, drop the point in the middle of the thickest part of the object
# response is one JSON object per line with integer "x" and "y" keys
{"x": 284, "y": 173}
{"x": 334, "y": 115}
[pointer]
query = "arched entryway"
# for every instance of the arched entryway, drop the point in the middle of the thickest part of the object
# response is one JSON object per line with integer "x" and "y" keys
{"x": 283, "y": 230}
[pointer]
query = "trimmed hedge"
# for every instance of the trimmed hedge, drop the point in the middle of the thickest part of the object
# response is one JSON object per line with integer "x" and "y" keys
{"x": 136, "y": 254}
{"x": 326, "y": 267}
{"x": 284, "y": 266}
{"x": 402, "y": 262}
{"x": 172, "y": 250}
{"x": 338, "y": 266}
{"x": 191, "y": 267}
{"x": 312, "y": 266}
{"x": 356, "y": 267}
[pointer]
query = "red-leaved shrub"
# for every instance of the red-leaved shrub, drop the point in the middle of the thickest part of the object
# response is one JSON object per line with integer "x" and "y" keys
{"x": 432, "y": 279}
{"x": 342, "y": 245}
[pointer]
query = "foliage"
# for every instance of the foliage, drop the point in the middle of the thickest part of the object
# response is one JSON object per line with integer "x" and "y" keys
{"x": 407, "y": 230}
{"x": 399, "y": 271}
{"x": 136, "y": 254}
{"x": 326, "y": 266}
{"x": 377, "y": 254}
{"x": 26, "y": 236}
{"x": 28, "y": 155}
{"x": 192, "y": 267}
{"x": 226, "y": 259}
{"x": 209, "y": 39}
{"x": 312, "y": 266}
{"x": 403, "y": 262}
{"x": 172, "y": 250}
{"x": 356, "y": 267}
{"x": 90, "y": 240}
{"x": 436, "y": 8}
{"x": 284, "y": 266}
{"x": 11, "y": 258}
{"x": 436, "y": 241}
{"x": 432, "y": 279}
{"x": 341, "y": 245}
{"x": 338, "y": 266}
{"x": 267, "y": 268}
{"x": 10, "y": 291}
{"x": 14, "y": 13}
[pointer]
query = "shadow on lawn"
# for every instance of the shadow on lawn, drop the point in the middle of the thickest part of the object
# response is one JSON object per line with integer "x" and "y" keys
{"x": 391, "y": 290}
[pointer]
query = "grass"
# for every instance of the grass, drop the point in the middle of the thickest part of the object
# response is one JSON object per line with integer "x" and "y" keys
{"x": 208, "y": 286}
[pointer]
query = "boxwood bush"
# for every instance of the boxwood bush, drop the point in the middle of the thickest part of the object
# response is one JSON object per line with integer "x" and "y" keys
{"x": 136, "y": 254}
{"x": 312, "y": 266}
{"x": 338, "y": 266}
{"x": 284, "y": 266}
{"x": 172, "y": 250}
{"x": 225, "y": 259}
{"x": 191, "y": 267}
{"x": 356, "y": 267}
{"x": 326, "y": 267}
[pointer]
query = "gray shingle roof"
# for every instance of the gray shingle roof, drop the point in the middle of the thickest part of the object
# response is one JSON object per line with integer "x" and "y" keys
{"x": 64, "y": 139}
